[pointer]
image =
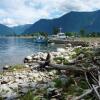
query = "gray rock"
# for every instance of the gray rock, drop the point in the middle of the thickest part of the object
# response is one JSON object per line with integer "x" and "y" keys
{"x": 6, "y": 67}
{"x": 64, "y": 79}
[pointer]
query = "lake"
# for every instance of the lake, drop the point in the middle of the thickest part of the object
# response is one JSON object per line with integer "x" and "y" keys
{"x": 14, "y": 50}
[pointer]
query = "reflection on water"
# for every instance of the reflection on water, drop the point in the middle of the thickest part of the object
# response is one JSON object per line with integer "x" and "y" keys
{"x": 13, "y": 50}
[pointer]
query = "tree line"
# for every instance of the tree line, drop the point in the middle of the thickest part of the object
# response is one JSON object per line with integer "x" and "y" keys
{"x": 81, "y": 33}
{"x": 55, "y": 31}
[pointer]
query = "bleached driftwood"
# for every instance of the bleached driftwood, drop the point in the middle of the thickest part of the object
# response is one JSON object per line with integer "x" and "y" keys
{"x": 96, "y": 92}
{"x": 91, "y": 73}
{"x": 86, "y": 93}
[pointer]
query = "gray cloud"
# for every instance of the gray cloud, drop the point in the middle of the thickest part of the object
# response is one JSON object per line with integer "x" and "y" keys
{"x": 15, "y": 12}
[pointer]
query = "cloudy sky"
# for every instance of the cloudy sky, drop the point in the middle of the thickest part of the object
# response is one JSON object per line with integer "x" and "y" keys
{"x": 19, "y": 12}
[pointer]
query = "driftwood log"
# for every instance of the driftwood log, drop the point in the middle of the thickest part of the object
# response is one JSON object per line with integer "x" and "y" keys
{"x": 91, "y": 72}
{"x": 69, "y": 66}
{"x": 86, "y": 93}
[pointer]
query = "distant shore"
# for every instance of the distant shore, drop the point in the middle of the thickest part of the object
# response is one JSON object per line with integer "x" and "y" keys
{"x": 85, "y": 39}
{"x": 16, "y": 36}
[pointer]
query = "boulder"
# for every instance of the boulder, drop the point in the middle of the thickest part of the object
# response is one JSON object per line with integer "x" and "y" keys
{"x": 64, "y": 79}
{"x": 6, "y": 67}
{"x": 54, "y": 93}
{"x": 61, "y": 50}
{"x": 26, "y": 65}
{"x": 28, "y": 59}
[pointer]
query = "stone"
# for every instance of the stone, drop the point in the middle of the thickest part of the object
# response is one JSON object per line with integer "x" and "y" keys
{"x": 4, "y": 82}
{"x": 41, "y": 86}
{"x": 13, "y": 86}
{"x": 54, "y": 93}
{"x": 27, "y": 59}
{"x": 51, "y": 84}
{"x": 6, "y": 67}
{"x": 33, "y": 85}
{"x": 61, "y": 50}
{"x": 10, "y": 96}
{"x": 23, "y": 85}
{"x": 23, "y": 90}
{"x": 64, "y": 79}
{"x": 26, "y": 65}
{"x": 69, "y": 44}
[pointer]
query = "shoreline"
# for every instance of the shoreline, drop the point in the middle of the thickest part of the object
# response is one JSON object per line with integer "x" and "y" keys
{"x": 84, "y": 39}
{"x": 20, "y": 79}
{"x": 16, "y": 37}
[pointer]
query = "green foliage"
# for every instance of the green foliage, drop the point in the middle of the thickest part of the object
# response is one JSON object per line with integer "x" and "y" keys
{"x": 18, "y": 66}
{"x": 40, "y": 34}
{"x": 33, "y": 95}
{"x": 70, "y": 34}
{"x": 1, "y": 98}
{"x": 94, "y": 34}
{"x": 60, "y": 60}
{"x": 82, "y": 33}
{"x": 43, "y": 34}
{"x": 58, "y": 83}
{"x": 65, "y": 62}
{"x": 78, "y": 50}
{"x": 83, "y": 84}
{"x": 28, "y": 96}
{"x": 86, "y": 51}
{"x": 73, "y": 56}
{"x": 56, "y": 30}
{"x": 37, "y": 98}
{"x": 74, "y": 90}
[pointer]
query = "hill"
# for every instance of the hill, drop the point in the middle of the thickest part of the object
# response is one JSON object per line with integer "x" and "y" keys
{"x": 20, "y": 29}
{"x": 5, "y": 30}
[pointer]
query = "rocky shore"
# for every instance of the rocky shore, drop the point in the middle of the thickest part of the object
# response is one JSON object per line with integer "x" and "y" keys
{"x": 17, "y": 82}
{"x": 43, "y": 79}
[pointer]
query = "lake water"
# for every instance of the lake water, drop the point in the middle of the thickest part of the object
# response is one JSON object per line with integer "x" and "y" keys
{"x": 14, "y": 50}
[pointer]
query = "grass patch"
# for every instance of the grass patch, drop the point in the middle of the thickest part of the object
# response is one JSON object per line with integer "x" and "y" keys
{"x": 90, "y": 39}
{"x": 16, "y": 67}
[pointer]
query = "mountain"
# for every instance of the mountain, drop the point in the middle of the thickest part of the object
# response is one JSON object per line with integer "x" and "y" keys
{"x": 70, "y": 22}
{"x": 5, "y": 30}
{"x": 20, "y": 29}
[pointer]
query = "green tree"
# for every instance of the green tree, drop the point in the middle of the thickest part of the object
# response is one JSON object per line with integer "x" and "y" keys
{"x": 70, "y": 34}
{"x": 82, "y": 33}
{"x": 43, "y": 34}
{"x": 56, "y": 30}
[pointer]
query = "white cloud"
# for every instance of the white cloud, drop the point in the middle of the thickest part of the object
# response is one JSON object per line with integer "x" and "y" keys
{"x": 16, "y": 12}
{"x": 8, "y": 21}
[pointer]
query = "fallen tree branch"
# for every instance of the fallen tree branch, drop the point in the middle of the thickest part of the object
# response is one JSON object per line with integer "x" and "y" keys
{"x": 96, "y": 92}
{"x": 59, "y": 66}
{"x": 85, "y": 94}
{"x": 85, "y": 74}
{"x": 65, "y": 67}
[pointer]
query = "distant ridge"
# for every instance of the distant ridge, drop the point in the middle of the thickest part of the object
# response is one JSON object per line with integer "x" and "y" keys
{"x": 20, "y": 29}
{"x": 70, "y": 22}
{"x": 5, "y": 30}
